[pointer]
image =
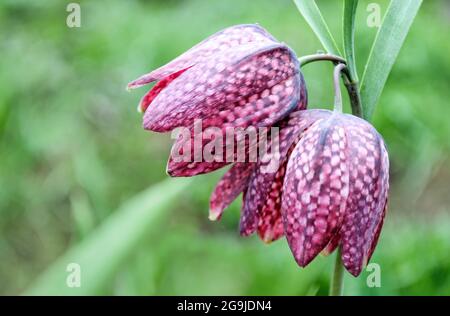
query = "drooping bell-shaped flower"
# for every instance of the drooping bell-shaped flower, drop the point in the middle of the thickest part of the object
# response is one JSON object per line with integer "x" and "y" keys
{"x": 336, "y": 187}
{"x": 329, "y": 190}
{"x": 239, "y": 77}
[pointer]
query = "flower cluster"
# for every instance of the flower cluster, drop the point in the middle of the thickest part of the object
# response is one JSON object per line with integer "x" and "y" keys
{"x": 329, "y": 188}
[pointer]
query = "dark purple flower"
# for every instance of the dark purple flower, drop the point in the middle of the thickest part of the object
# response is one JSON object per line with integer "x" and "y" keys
{"x": 239, "y": 77}
{"x": 330, "y": 189}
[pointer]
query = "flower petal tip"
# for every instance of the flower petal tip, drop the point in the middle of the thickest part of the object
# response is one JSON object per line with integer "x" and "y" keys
{"x": 170, "y": 172}
{"x": 302, "y": 264}
{"x": 132, "y": 85}
{"x": 267, "y": 240}
{"x": 141, "y": 81}
{"x": 214, "y": 215}
{"x": 355, "y": 273}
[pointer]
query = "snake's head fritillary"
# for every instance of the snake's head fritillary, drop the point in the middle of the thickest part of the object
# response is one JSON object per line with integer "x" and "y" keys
{"x": 239, "y": 77}
{"x": 335, "y": 191}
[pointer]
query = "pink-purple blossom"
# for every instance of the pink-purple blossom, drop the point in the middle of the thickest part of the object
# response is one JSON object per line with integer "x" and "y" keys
{"x": 239, "y": 77}
{"x": 329, "y": 187}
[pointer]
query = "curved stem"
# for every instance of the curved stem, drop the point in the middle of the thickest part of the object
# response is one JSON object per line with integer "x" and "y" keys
{"x": 337, "y": 281}
{"x": 337, "y": 87}
{"x": 320, "y": 57}
{"x": 350, "y": 83}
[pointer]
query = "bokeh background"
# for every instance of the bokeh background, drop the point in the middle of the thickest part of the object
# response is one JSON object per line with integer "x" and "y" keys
{"x": 82, "y": 182}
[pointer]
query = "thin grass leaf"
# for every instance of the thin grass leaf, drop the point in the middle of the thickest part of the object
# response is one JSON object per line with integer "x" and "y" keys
{"x": 107, "y": 247}
{"x": 390, "y": 37}
{"x": 349, "y": 36}
{"x": 312, "y": 15}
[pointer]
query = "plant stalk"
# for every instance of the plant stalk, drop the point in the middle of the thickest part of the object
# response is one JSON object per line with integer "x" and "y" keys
{"x": 353, "y": 93}
{"x": 304, "y": 60}
{"x": 350, "y": 84}
{"x": 337, "y": 87}
{"x": 337, "y": 281}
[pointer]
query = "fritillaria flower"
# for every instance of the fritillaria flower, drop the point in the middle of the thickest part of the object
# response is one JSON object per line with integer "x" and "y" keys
{"x": 329, "y": 185}
{"x": 239, "y": 77}
{"x": 329, "y": 191}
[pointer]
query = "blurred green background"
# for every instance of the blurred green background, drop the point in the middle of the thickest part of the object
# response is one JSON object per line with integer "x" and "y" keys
{"x": 74, "y": 158}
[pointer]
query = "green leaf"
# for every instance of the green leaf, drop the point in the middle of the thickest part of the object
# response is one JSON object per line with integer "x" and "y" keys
{"x": 349, "y": 36}
{"x": 390, "y": 37}
{"x": 312, "y": 15}
{"x": 108, "y": 247}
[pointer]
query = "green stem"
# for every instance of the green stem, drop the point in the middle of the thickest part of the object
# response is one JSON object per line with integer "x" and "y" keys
{"x": 337, "y": 87}
{"x": 337, "y": 281}
{"x": 350, "y": 84}
{"x": 304, "y": 60}
{"x": 353, "y": 93}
